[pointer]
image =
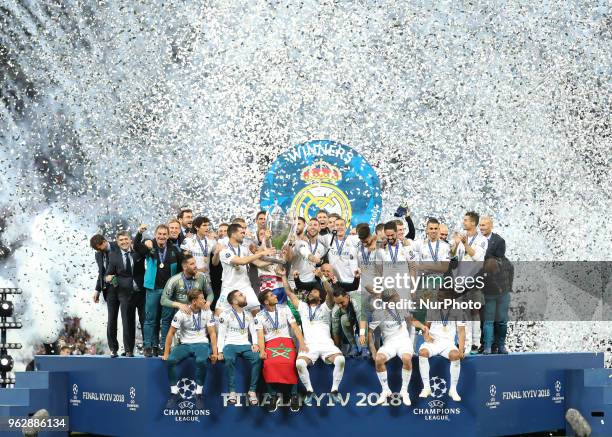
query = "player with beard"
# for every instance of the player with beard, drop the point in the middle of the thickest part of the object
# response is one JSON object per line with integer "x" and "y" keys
{"x": 174, "y": 296}
{"x": 470, "y": 249}
{"x": 308, "y": 254}
{"x": 349, "y": 317}
{"x": 198, "y": 338}
{"x": 444, "y": 325}
{"x": 233, "y": 342}
{"x": 394, "y": 325}
{"x": 235, "y": 259}
{"x": 394, "y": 249}
{"x": 315, "y": 314}
{"x": 277, "y": 349}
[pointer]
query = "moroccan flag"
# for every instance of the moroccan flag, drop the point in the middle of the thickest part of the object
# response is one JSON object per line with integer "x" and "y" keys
{"x": 279, "y": 366}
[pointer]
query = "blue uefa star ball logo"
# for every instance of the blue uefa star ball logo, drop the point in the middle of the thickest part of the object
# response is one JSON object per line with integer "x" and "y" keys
{"x": 327, "y": 175}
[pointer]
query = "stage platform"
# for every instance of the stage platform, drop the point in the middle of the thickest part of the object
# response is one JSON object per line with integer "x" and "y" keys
{"x": 502, "y": 395}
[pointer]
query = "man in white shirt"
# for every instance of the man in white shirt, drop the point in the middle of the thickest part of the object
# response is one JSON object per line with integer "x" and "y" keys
{"x": 277, "y": 349}
{"x": 308, "y": 253}
{"x": 393, "y": 324}
{"x": 235, "y": 275}
{"x": 342, "y": 253}
{"x": 315, "y": 314}
{"x": 235, "y": 326}
{"x": 199, "y": 245}
{"x": 470, "y": 249}
{"x": 196, "y": 330}
{"x": 444, "y": 324}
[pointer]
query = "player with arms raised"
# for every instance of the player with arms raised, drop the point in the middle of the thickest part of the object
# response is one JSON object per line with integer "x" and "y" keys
{"x": 315, "y": 314}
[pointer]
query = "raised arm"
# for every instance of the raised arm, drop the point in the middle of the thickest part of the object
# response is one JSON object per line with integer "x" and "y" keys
{"x": 282, "y": 272}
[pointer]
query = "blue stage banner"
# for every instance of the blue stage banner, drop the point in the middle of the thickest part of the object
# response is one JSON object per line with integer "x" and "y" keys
{"x": 324, "y": 174}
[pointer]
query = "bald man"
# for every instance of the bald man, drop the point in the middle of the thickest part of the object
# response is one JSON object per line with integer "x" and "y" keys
{"x": 496, "y": 304}
{"x": 443, "y": 232}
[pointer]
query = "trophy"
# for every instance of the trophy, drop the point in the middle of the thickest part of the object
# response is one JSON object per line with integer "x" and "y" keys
{"x": 280, "y": 227}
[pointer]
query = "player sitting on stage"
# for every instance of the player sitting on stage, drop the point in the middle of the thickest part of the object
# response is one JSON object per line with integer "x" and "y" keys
{"x": 234, "y": 327}
{"x": 396, "y": 342}
{"x": 443, "y": 327}
{"x": 316, "y": 320}
{"x": 197, "y": 334}
{"x": 277, "y": 349}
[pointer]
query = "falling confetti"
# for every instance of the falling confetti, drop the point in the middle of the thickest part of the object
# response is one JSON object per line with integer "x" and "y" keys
{"x": 113, "y": 114}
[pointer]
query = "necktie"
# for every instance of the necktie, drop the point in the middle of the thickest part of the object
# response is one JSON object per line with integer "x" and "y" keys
{"x": 128, "y": 263}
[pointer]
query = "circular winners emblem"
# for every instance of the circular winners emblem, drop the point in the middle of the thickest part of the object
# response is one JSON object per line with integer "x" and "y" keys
{"x": 324, "y": 175}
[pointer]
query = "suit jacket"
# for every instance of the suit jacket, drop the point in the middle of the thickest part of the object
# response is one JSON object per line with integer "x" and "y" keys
{"x": 102, "y": 260}
{"x": 496, "y": 247}
{"x": 125, "y": 278}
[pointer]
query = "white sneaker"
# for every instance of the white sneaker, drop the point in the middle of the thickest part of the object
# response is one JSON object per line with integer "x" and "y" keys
{"x": 405, "y": 398}
{"x": 454, "y": 395}
{"x": 426, "y": 392}
{"x": 382, "y": 398}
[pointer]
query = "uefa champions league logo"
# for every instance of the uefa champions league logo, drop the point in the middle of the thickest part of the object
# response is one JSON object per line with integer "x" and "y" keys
{"x": 438, "y": 386}
{"x": 558, "y": 398}
{"x": 186, "y": 411}
{"x": 75, "y": 401}
{"x": 186, "y": 390}
{"x": 437, "y": 408}
{"x": 132, "y": 405}
{"x": 493, "y": 403}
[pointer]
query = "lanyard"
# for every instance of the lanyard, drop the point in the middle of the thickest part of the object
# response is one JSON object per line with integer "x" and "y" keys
{"x": 313, "y": 251}
{"x": 366, "y": 259}
{"x": 233, "y": 251}
{"x": 188, "y": 282}
{"x": 162, "y": 258}
{"x": 197, "y": 323}
{"x": 340, "y": 247}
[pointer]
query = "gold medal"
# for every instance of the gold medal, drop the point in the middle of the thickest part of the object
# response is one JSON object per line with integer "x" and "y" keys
{"x": 161, "y": 265}
{"x": 243, "y": 331}
{"x": 445, "y": 328}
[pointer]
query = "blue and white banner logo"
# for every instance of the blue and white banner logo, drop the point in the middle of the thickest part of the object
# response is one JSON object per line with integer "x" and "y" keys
{"x": 325, "y": 175}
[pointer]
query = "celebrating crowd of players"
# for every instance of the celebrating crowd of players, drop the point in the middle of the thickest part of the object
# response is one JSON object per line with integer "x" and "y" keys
{"x": 225, "y": 294}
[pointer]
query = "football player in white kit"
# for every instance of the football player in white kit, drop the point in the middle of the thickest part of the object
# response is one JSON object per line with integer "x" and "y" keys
{"x": 235, "y": 275}
{"x": 396, "y": 343}
{"x": 315, "y": 314}
{"x": 444, "y": 325}
{"x": 233, "y": 341}
{"x": 342, "y": 251}
{"x": 470, "y": 249}
{"x": 308, "y": 253}
{"x": 200, "y": 245}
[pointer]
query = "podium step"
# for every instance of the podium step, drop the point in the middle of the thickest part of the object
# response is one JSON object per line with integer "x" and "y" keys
{"x": 598, "y": 378}
{"x": 38, "y": 380}
{"x": 22, "y": 396}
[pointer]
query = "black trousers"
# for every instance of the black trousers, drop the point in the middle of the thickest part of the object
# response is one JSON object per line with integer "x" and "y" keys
{"x": 129, "y": 303}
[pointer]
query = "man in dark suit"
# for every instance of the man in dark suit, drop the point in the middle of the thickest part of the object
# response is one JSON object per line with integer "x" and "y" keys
{"x": 122, "y": 273}
{"x": 497, "y": 300}
{"x": 103, "y": 249}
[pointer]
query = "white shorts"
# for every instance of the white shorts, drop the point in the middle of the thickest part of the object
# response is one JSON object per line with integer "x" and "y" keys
{"x": 251, "y": 297}
{"x": 439, "y": 348}
{"x": 320, "y": 350}
{"x": 396, "y": 347}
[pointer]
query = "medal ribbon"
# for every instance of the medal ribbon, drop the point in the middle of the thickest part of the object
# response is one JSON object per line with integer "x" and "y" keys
{"x": 162, "y": 258}
{"x": 434, "y": 257}
{"x": 233, "y": 251}
{"x": 366, "y": 259}
{"x": 205, "y": 247}
{"x": 396, "y": 316}
{"x": 394, "y": 257}
{"x": 340, "y": 247}
{"x": 444, "y": 319}
{"x": 315, "y": 248}
{"x": 312, "y": 315}
{"x": 275, "y": 321}
{"x": 197, "y": 323}
{"x": 241, "y": 323}
{"x": 188, "y": 282}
